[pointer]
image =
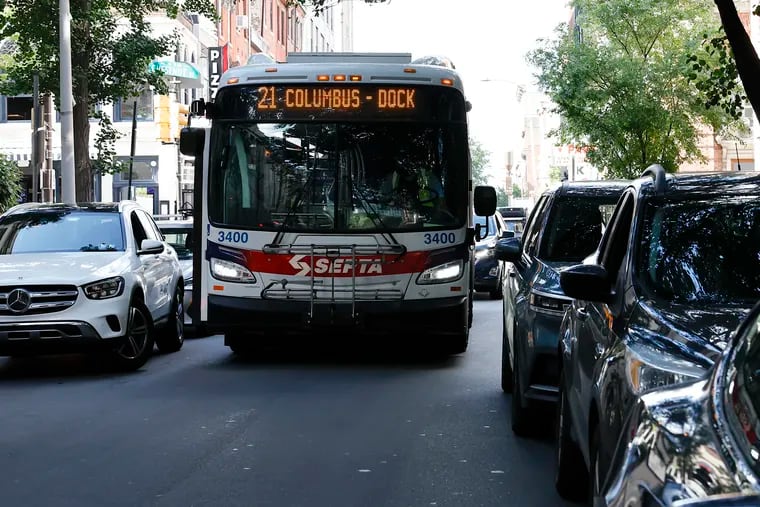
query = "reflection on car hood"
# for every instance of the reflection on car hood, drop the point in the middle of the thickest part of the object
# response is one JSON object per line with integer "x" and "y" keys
{"x": 674, "y": 453}
{"x": 62, "y": 267}
{"x": 703, "y": 331}
{"x": 546, "y": 278}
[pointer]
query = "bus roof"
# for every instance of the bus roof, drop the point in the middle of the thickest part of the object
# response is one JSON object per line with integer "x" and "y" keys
{"x": 373, "y": 68}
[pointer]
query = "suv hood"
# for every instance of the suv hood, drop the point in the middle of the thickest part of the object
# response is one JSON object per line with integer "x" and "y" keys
{"x": 702, "y": 331}
{"x": 61, "y": 267}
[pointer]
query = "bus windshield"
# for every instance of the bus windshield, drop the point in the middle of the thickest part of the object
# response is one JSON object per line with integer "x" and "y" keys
{"x": 338, "y": 176}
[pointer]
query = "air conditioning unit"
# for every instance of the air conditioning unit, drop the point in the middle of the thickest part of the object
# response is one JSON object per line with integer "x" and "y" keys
{"x": 241, "y": 21}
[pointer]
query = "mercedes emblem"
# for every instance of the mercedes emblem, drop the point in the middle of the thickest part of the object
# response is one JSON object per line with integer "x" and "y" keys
{"x": 19, "y": 300}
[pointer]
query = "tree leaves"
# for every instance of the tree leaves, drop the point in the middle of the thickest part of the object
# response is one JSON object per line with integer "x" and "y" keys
{"x": 638, "y": 87}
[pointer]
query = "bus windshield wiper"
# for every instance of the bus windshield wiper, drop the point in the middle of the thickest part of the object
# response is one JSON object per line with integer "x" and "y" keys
{"x": 373, "y": 214}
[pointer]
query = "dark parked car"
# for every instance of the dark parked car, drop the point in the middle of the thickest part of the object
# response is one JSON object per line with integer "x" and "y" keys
{"x": 514, "y": 218}
{"x": 564, "y": 227}
{"x": 676, "y": 271}
{"x": 698, "y": 440}
{"x": 488, "y": 271}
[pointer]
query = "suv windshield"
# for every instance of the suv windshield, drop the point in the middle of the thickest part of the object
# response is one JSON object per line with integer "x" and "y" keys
{"x": 61, "y": 231}
{"x": 575, "y": 226}
{"x": 702, "y": 251}
{"x": 330, "y": 177}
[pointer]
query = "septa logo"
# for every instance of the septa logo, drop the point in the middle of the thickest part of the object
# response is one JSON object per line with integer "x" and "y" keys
{"x": 335, "y": 266}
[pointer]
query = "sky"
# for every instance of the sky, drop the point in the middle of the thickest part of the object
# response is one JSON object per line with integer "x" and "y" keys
{"x": 486, "y": 39}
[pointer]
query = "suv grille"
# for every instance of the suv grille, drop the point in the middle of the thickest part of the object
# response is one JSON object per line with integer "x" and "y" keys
{"x": 36, "y": 299}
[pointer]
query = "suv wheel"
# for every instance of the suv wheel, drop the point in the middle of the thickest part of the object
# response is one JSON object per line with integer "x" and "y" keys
{"x": 522, "y": 415}
{"x": 138, "y": 344}
{"x": 171, "y": 337}
{"x": 506, "y": 366}
{"x": 571, "y": 478}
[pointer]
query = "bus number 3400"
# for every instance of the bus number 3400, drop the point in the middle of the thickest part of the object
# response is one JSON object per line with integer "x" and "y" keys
{"x": 233, "y": 237}
{"x": 440, "y": 238}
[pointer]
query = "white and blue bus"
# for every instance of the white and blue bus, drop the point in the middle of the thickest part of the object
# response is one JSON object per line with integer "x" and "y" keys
{"x": 334, "y": 191}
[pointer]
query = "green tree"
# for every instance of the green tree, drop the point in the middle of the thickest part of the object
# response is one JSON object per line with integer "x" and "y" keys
{"x": 112, "y": 48}
{"x": 502, "y": 197}
{"x": 480, "y": 158}
{"x": 516, "y": 191}
{"x": 628, "y": 91}
{"x": 10, "y": 183}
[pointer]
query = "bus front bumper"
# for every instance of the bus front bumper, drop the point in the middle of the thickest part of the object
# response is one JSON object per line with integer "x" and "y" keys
{"x": 253, "y": 316}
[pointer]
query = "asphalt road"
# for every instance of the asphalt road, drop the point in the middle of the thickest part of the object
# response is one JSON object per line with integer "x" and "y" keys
{"x": 330, "y": 425}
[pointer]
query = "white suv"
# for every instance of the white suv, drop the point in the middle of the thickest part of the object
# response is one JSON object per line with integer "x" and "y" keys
{"x": 88, "y": 277}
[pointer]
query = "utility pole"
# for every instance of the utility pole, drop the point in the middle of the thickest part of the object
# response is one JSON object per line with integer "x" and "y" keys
{"x": 48, "y": 173}
{"x": 68, "y": 174}
{"x": 37, "y": 140}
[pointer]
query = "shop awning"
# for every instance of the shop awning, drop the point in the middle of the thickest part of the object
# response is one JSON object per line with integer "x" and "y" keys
{"x": 187, "y": 73}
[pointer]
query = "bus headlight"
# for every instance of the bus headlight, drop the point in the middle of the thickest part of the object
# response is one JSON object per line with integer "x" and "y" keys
{"x": 442, "y": 273}
{"x": 230, "y": 271}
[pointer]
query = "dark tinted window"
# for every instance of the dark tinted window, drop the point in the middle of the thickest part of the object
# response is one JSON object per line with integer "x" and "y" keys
{"x": 702, "y": 250}
{"x": 575, "y": 226}
{"x": 61, "y": 231}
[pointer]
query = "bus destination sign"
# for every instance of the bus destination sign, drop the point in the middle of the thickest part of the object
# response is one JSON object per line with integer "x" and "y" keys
{"x": 330, "y": 102}
{"x": 333, "y": 97}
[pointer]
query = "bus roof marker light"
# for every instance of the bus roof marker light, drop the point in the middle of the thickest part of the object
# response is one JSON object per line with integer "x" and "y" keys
{"x": 233, "y": 80}
{"x": 323, "y": 77}
{"x": 410, "y": 70}
{"x": 339, "y": 77}
{"x": 270, "y": 69}
{"x": 447, "y": 82}
{"x": 356, "y": 78}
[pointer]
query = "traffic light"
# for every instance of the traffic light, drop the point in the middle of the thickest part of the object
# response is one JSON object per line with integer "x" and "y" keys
{"x": 183, "y": 119}
{"x": 164, "y": 120}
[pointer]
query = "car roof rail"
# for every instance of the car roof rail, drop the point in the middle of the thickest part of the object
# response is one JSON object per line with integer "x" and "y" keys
{"x": 658, "y": 174}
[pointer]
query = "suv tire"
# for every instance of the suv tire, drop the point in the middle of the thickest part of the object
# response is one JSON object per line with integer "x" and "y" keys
{"x": 571, "y": 478}
{"x": 137, "y": 347}
{"x": 171, "y": 337}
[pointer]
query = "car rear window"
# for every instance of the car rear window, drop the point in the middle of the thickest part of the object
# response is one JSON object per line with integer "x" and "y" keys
{"x": 575, "y": 226}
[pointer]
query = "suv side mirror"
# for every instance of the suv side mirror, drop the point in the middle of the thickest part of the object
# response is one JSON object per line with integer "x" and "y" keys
{"x": 150, "y": 247}
{"x": 484, "y": 198}
{"x": 507, "y": 234}
{"x": 587, "y": 282}
{"x": 508, "y": 250}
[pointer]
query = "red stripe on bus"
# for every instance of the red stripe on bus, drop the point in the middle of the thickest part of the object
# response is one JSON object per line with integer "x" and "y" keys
{"x": 367, "y": 265}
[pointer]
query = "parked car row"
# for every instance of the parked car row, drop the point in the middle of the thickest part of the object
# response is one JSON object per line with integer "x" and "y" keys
{"x": 619, "y": 301}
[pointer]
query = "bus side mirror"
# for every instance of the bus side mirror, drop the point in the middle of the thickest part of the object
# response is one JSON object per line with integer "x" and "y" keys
{"x": 485, "y": 200}
{"x": 198, "y": 107}
{"x": 191, "y": 141}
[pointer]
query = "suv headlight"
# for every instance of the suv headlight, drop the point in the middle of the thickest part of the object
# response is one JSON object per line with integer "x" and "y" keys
{"x": 547, "y": 304}
{"x": 649, "y": 369}
{"x": 442, "y": 273}
{"x": 104, "y": 289}
{"x": 230, "y": 271}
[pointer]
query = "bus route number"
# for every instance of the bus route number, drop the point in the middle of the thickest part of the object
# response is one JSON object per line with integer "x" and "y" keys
{"x": 440, "y": 238}
{"x": 233, "y": 237}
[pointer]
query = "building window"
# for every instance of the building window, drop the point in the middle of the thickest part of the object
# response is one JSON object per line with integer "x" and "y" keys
{"x": 124, "y": 107}
{"x": 19, "y": 108}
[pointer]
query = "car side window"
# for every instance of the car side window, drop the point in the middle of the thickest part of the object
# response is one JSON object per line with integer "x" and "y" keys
{"x": 615, "y": 241}
{"x": 138, "y": 231}
{"x": 150, "y": 227}
{"x": 534, "y": 226}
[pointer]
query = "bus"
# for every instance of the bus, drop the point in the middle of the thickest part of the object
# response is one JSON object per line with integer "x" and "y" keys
{"x": 333, "y": 192}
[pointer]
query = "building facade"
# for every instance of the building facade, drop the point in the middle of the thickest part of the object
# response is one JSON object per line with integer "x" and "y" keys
{"x": 162, "y": 178}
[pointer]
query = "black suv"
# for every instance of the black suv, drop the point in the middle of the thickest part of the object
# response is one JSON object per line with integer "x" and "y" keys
{"x": 565, "y": 226}
{"x": 676, "y": 271}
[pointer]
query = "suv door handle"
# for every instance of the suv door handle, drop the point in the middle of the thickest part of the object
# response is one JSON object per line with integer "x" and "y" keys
{"x": 581, "y": 313}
